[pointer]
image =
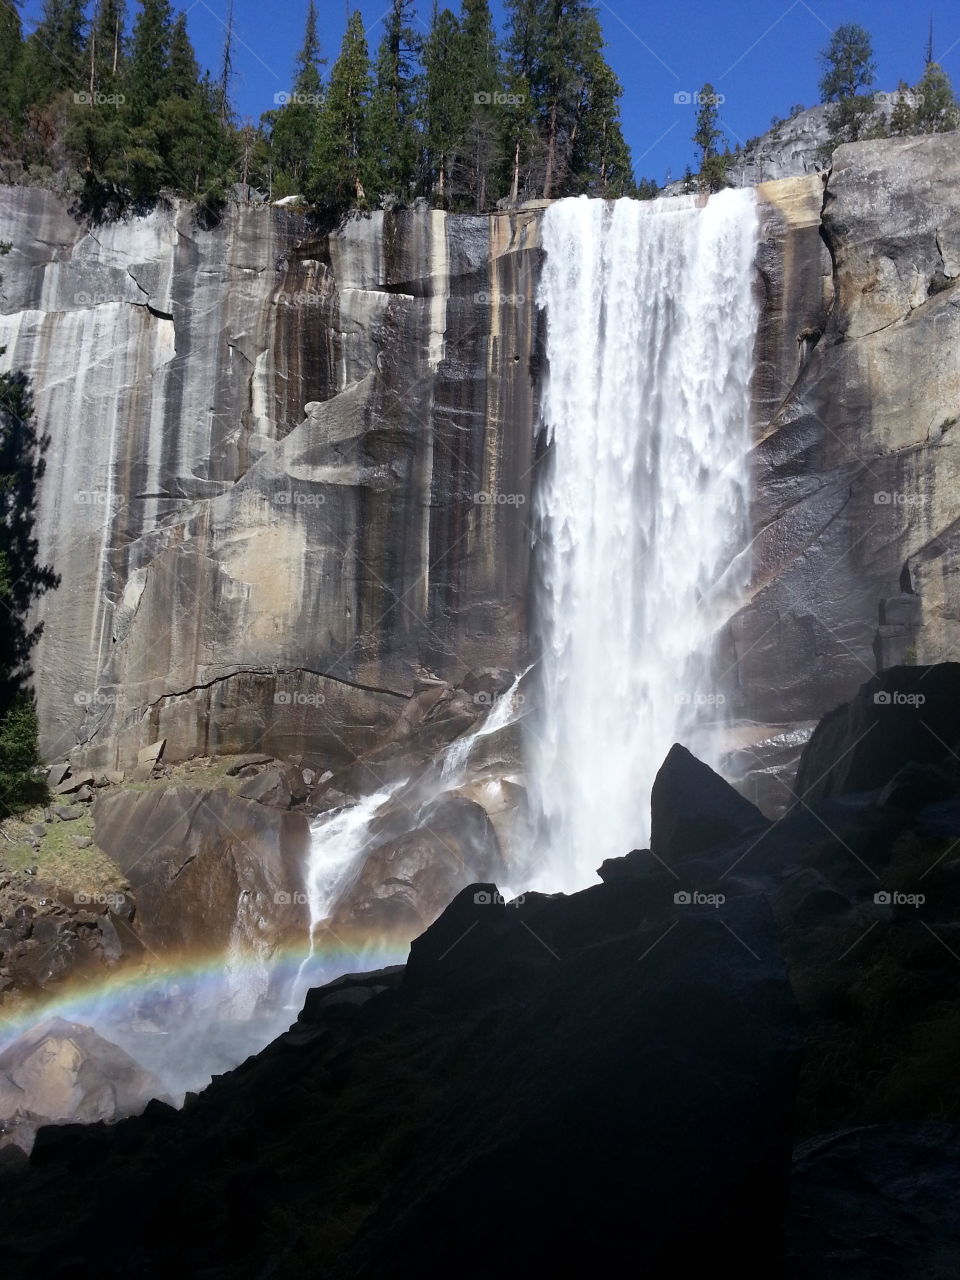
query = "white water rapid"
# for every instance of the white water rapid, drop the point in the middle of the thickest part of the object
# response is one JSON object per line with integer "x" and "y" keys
{"x": 641, "y": 511}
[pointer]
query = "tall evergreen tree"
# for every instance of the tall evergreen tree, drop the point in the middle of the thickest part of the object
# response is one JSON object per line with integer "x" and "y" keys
{"x": 478, "y": 63}
{"x": 52, "y": 60}
{"x": 848, "y": 67}
{"x": 600, "y": 162}
{"x": 936, "y": 109}
{"x": 11, "y": 48}
{"x": 713, "y": 165}
{"x": 148, "y": 76}
{"x": 393, "y": 131}
{"x": 293, "y": 135}
{"x": 104, "y": 56}
{"x": 343, "y": 172}
{"x": 23, "y": 579}
{"x": 441, "y": 105}
{"x": 183, "y": 73}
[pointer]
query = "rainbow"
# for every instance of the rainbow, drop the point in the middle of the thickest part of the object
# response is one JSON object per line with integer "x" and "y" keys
{"x": 198, "y": 982}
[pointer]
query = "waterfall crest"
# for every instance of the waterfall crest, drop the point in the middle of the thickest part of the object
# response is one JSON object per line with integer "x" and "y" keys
{"x": 641, "y": 510}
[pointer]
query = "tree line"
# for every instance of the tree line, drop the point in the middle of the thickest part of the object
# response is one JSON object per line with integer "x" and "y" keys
{"x": 120, "y": 113}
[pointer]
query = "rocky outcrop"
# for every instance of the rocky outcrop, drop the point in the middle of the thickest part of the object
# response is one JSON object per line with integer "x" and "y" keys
{"x": 693, "y": 810}
{"x": 906, "y": 716}
{"x": 212, "y": 873}
{"x": 63, "y": 1073}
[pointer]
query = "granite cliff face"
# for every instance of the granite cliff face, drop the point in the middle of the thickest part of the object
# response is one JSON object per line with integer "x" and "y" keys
{"x": 289, "y": 477}
{"x": 855, "y": 476}
{"x": 265, "y": 459}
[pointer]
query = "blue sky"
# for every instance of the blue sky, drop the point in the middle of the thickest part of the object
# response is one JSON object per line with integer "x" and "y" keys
{"x": 760, "y": 54}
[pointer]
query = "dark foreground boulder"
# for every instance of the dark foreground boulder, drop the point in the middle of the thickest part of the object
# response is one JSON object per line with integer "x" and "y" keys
{"x": 693, "y": 810}
{"x": 905, "y": 715}
{"x": 605, "y": 1078}
{"x": 877, "y": 1203}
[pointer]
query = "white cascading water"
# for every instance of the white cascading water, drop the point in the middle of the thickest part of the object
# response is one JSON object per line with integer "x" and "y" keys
{"x": 650, "y": 321}
{"x": 338, "y": 842}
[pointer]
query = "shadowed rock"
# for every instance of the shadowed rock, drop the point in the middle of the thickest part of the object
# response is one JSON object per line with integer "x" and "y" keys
{"x": 905, "y": 715}
{"x": 693, "y": 810}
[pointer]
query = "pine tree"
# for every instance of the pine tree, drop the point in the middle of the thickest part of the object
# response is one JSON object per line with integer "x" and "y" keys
{"x": 52, "y": 61}
{"x": 478, "y": 62}
{"x": 392, "y": 127}
{"x": 441, "y": 105}
{"x": 183, "y": 73}
{"x": 293, "y": 128}
{"x": 104, "y": 54}
{"x": 936, "y": 109}
{"x": 23, "y": 579}
{"x": 713, "y": 165}
{"x": 901, "y": 118}
{"x": 11, "y": 48}
{"x": 848, "y": 67}
{"x": 148, "y": 76}
{"x": 342, "y": 172}
{"x": 847, "y": 62}
{"x": 600, "y": 162}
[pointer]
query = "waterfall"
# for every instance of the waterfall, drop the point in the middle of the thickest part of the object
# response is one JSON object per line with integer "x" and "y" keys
{"x": 641, "y": 510}
{"x": 338, "y": 841}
